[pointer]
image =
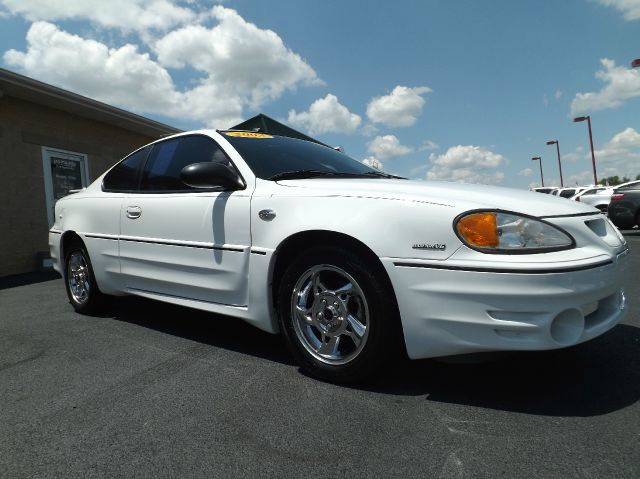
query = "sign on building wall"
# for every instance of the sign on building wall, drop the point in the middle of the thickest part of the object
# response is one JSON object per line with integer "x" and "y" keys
{"x": 64, "y": 171}
{"x": 66, "y": 175}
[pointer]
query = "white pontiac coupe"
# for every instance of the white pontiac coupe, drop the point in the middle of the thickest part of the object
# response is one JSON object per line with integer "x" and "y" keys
{"x": 352, "y": 265}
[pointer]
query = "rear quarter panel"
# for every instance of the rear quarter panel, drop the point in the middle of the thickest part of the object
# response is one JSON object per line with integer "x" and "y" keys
{"x": 95, "y": 217}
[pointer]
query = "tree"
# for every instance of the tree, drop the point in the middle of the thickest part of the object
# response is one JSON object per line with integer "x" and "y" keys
{"x": 615, "y": 180}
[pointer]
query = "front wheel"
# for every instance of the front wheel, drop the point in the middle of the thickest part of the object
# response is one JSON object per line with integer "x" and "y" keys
{"x": 338, "y": 315}
{"x": 80, "y": 282}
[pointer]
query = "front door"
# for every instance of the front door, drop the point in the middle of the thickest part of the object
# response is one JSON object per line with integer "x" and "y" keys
{"x": 180, "y": 241}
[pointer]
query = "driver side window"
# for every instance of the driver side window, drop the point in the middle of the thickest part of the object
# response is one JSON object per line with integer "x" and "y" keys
{"x": 168, "y": 158}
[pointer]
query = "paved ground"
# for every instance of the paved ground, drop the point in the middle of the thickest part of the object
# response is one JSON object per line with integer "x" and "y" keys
{"x": 157, "y": 390}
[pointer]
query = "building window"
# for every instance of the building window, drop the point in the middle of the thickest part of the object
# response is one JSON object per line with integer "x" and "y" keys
{"x": 64, "y": 171}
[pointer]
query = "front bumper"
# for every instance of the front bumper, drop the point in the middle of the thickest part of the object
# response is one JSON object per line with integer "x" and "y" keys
{"x": 447, "y": 312}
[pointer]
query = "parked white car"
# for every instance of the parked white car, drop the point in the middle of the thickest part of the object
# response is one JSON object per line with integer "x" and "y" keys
{"x": 601, "y": 199}
{"x": 570, "y": 191}
{"x": 350, "y": 264}
{"x": 587, "y": 190}
{"x": 543, "y": 189}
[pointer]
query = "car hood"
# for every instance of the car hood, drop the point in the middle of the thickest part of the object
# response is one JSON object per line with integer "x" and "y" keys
{"x": 459, "y": 195}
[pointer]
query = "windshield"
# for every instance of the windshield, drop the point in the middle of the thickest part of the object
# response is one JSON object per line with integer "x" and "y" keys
{"x": 280, "y": 157}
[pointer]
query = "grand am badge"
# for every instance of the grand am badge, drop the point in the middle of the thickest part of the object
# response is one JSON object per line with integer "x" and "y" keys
{"x": 434, "y": 246}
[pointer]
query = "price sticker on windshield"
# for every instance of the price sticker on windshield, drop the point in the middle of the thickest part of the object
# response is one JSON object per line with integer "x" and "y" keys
{"x": 247, "y": 134}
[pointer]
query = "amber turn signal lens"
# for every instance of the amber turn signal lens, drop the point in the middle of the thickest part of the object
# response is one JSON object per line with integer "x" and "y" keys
{"x": 479, "y": 229}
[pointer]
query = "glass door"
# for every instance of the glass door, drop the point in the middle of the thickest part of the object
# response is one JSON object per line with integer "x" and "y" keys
{"x": 64, "y": 172}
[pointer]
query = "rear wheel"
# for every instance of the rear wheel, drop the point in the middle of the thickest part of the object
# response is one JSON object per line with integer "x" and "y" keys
{"x": 338, "y": 315}
{"x": 80, "y": 282}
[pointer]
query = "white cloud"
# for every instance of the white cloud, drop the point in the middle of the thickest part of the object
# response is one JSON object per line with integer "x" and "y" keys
{"x": 122, "y": 76}
{"x": 621, "y": 83}
{"x": 577, "y": 154}
{"x": 242, "y": 65}
{"x": 236, "y": 55}
{"x": 418, "y": 172}
{"x": 369, "y": 130}
{"x": 583, "y": 178}
{"x": 525, "y": 172}
{"x": 125, "y": 15}
{"x": 387, "y": 147}
{"x": 373, "y": 163}
{"x": 630, "y": 8}
{"x": 326, "y": 115}
{"x": 428, "y": 145}
{"x": 620, "y": 155}
{"x": 399, "y": 108}
{"x": 558, "y": 94}
{"x": 467, "y": 164}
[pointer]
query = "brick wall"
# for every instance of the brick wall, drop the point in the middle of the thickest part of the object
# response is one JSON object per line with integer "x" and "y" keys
{"x": 25, "y": 128}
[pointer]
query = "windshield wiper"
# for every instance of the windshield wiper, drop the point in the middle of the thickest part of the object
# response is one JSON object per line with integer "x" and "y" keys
{"x": 302, "y": 174}
{"x": 382, "y": 175}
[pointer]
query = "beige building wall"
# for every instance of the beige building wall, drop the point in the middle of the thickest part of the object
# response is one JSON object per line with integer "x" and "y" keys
{"x": 25, "y": 128}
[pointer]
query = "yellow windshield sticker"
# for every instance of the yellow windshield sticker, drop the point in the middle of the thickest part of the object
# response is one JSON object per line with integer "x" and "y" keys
{"x": 247, "y": 134}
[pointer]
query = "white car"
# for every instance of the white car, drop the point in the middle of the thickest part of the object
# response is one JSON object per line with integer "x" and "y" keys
{"x": 543, "y": 189}
{"x": 602, "y": 198}
{"x": 570, "y": 192}
{"x": 350, "y": 264}
{"x": 588, "y": 191}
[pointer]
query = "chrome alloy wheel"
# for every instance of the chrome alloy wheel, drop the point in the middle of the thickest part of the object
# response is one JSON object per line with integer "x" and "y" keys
{"x": 330, "y": 314}
{"x": 78, "y": 277}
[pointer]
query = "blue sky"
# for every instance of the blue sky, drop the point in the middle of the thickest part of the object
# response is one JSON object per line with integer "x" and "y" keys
{"x": 455, "y": 90}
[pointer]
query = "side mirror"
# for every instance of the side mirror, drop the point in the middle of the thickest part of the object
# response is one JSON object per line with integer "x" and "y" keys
{"x": 211, "y": 174}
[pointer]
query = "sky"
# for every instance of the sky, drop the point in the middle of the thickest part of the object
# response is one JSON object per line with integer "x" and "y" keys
{"x": 451, "y": 90}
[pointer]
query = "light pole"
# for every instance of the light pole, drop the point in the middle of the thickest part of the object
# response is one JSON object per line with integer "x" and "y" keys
{"x": 635, "y": 63}
{"x": 537, "y": 158}
{"x": 593, "y": 156}
{"x": 557, "y": 143}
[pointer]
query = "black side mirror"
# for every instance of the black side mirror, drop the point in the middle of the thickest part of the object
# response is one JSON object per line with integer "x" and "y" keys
{"x": 211, "y": 174}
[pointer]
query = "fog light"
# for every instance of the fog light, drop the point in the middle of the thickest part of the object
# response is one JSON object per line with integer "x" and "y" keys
{"x": 567, "y": 327}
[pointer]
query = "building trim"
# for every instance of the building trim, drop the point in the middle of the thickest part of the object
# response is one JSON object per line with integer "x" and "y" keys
{"x": 25, "y": 88}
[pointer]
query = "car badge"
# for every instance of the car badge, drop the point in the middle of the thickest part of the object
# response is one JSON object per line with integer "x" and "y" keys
{"x": 431, "y": 246}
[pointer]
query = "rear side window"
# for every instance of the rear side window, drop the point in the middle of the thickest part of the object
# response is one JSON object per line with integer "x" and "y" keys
{"x": 567, "y": 193}
{"x": 633, "y": 186}
{"x": 124, "y": 176}
{"x": 168, "y": 158}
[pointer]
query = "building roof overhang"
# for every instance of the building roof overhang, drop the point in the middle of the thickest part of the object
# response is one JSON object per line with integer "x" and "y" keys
{"x": 25, "y": 88}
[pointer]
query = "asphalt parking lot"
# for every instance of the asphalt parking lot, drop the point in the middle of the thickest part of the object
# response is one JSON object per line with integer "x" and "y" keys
{"x": 150, "y": 389}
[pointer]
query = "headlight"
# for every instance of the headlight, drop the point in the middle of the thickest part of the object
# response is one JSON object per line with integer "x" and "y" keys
{"x": 510, "y": 233}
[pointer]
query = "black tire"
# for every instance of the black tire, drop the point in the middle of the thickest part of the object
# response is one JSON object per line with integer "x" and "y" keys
{"x": 381, "y": 343}
{"x": 78, "y": 272}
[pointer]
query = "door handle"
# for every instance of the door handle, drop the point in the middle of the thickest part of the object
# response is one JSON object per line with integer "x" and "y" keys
{"x": 134, "y": 212}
